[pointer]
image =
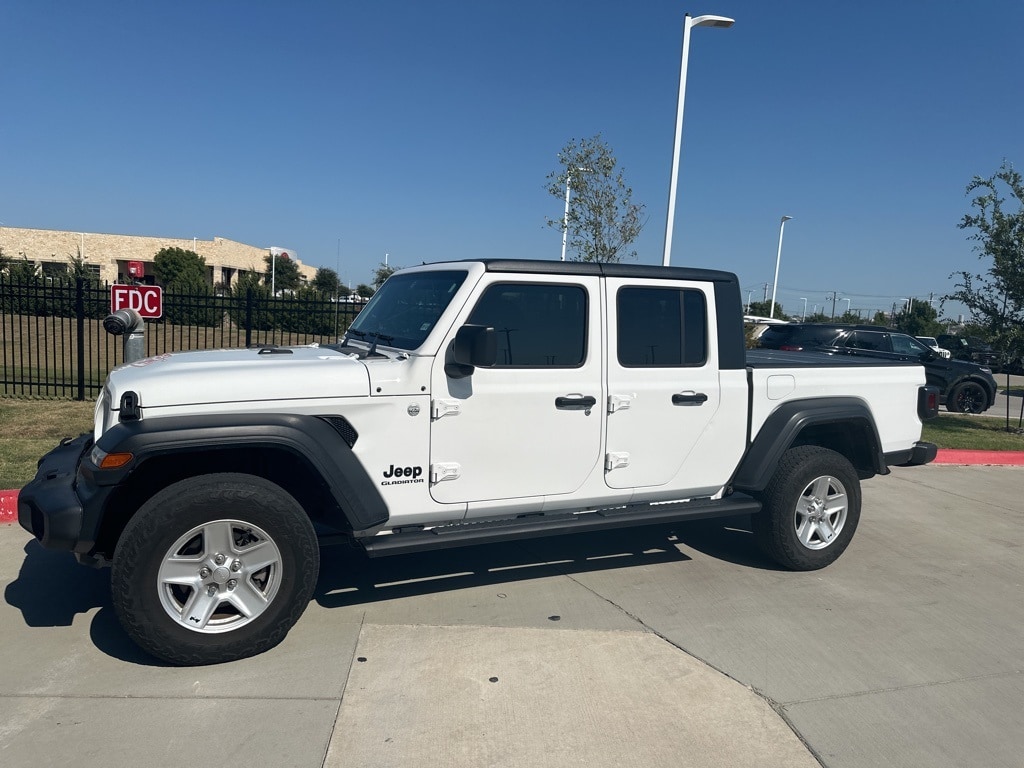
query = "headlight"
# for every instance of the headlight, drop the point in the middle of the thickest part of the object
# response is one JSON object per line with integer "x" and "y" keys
{"x": 105, "y": 460}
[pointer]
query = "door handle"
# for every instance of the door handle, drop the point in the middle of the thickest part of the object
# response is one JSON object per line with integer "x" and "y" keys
{"x": 575, "y": 402}
{"x": 689, "y": 398}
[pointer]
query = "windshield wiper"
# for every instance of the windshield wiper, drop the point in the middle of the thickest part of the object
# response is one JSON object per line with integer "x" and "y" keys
{"x": 378, "y": 336}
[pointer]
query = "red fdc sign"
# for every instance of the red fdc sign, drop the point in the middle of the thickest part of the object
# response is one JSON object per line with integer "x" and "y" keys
{"x": 147, "y": 300}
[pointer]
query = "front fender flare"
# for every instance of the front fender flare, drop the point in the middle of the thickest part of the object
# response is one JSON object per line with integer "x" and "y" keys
{"x": 311, "y": 438}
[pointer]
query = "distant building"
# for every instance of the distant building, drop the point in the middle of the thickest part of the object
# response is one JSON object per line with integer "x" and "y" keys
{"x": 117, "y": 258}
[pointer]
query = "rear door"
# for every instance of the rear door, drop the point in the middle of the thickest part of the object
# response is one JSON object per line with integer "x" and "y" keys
{"x": 663, "y": 381}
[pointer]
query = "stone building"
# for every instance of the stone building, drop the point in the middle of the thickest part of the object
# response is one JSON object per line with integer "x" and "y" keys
{"x": 113, "y": 258}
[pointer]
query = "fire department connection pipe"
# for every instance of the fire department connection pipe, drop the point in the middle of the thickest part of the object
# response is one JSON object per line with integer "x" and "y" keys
{"x": 128, "y": 323}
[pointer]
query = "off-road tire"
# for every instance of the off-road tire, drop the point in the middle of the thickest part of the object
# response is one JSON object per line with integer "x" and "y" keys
{"x": 251, "y": 512}
{"x": 798, "y": 528}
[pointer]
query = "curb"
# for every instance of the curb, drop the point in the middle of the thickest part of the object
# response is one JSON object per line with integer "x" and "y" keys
{"x": 993, "y": 458}
{"x": 8, "y": 506}
{"x": 9, "y": 499}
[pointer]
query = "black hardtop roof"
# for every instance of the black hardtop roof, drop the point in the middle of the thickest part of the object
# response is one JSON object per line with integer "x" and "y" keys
{"x": 605, "y": 270}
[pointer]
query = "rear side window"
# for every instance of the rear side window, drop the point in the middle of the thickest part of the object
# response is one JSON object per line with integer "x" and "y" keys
{"x": 661, "y": 327}
{"x": 869, "y": 340}
{"x": 806, "y": 337}
{"x": 538, "y": 325}
{"x": 776, "y": 334}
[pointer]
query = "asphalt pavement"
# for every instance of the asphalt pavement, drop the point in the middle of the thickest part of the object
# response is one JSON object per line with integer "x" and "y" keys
{"x": 646, "y": 648}
{"x": 1009, "y": 400}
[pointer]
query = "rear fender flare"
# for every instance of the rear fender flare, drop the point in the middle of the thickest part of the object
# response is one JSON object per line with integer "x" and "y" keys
{"x": 783, "y": 428}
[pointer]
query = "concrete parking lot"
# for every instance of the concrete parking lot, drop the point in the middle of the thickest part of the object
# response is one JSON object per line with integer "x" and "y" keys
{"x": 647, "y": 648}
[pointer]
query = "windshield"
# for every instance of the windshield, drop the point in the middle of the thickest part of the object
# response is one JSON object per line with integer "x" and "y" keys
{"x": 405, "y": 309}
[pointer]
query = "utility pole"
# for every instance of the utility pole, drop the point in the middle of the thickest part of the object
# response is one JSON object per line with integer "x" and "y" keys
{"x": 834, "y": 304}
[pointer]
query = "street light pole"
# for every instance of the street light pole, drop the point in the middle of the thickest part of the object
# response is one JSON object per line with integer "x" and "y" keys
{"x": 847, "y": 305}
{"x": 778, "y": 260}
{"x": 700, "y": 21}
{"x": 565, "y": 219}
{"x": 803, "y": 315}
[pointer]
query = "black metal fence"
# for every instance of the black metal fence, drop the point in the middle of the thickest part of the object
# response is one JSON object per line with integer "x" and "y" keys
{"x": 54, "y": 344}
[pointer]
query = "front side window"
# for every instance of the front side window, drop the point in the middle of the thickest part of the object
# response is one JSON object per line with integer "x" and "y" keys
{"x": 905, "y": 345}
{"x": 661, "y": 327}
{"x": 537, "y": 324}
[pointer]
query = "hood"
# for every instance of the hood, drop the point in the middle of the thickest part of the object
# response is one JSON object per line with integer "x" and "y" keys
{"x": 961, "y": 367}
{"x": 239, "y": 375}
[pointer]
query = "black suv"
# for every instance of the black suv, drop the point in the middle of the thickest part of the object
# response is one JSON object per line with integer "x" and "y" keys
{"x": 968, "y": 348}
{"x": 965, "y": 387}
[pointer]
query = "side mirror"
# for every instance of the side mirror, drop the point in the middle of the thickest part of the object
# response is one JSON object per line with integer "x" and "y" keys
{"x": 474, "y": 346}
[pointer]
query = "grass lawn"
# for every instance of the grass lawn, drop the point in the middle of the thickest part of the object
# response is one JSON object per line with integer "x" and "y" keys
{"x": 30, "y": 428}
{"x": 982, "y": 433}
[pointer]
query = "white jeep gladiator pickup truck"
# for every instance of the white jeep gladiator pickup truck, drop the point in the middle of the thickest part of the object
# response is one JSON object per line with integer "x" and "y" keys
{"x": 469, "y": 402}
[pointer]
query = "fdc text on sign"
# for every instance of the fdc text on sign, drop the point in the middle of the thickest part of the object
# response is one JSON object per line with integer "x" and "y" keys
{"x": 147, "y": 300}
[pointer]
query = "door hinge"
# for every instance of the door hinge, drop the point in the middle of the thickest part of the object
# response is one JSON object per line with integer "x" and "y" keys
{"x": 620, "y": 402}
{"x": 441, "y": 408}
{"x": 615, "y": 461}
{"x": 444, "y": 471}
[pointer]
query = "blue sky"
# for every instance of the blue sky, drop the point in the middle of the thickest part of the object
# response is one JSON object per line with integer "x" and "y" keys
{"x": 346, "y": 130}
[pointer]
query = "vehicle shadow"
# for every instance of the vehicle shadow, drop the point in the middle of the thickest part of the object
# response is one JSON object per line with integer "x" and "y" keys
{"x": 51, "y": 589}
{"x": 349, "y": 577}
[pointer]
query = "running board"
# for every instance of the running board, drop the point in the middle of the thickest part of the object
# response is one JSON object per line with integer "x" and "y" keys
{"x": 554, "y": 524}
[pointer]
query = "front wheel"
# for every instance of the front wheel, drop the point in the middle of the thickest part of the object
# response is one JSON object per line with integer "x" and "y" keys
{"x": 214, "y": 568}
{"x": 967, "y": 397}
{"x": 810, "y": 508}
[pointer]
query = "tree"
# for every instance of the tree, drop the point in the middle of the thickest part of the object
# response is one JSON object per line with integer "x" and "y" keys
{"x": 764, "y": 308}
{"x": 326, "y": 281}
{"x": 23, "y": 271}
{"x": 174, "y": 266}
{"x": 920, "y": 319}
{"x": 603, "y": 221}
{"x": 285, "y": 275}
{"x": 364, "y": 290}
{"x": 996, "y": 296}
{"x": 382, "y": 273}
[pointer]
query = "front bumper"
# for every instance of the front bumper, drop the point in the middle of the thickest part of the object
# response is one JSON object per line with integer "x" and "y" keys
{"x": 51, "y": 507}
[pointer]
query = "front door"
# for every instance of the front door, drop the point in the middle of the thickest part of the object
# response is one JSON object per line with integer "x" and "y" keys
{"x": 530, "y": 425}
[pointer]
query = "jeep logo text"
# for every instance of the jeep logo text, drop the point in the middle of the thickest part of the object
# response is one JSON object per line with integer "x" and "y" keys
{"x": 394, "y": 471}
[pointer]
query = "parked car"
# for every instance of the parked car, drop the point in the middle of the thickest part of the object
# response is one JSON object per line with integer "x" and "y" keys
{"x": 968, "y": 348}
{"x": 933, "y": 345}
{"x": 469, "y": 402}
{"x": 964, "y": 387}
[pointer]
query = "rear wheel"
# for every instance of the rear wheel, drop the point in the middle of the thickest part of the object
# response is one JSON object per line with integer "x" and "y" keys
{"x": 967, "y": 397}
{"x": 810, "y": 508}
{"x": 214, "y": 568}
